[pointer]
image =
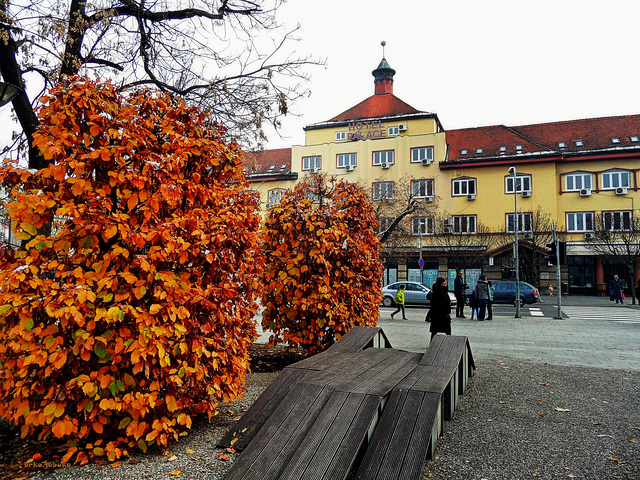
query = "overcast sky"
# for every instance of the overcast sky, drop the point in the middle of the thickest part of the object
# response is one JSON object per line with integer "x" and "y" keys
{"x": 472, "y": 62}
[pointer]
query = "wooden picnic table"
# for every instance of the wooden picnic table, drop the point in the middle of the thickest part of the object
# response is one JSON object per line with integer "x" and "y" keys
{"x": 360, "y": 407}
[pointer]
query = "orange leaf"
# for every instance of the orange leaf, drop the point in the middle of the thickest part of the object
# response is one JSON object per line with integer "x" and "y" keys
{"x": 98, "y": 427}
{"x": 133, "y": 201}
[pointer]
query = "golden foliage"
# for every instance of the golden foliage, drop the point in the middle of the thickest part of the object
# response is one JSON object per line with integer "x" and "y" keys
{"x": 323, "y": 273}
{"x": 138, "y": 313}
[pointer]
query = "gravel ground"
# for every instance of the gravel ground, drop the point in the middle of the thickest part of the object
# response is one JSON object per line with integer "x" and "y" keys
{"x": 517, "y": 420}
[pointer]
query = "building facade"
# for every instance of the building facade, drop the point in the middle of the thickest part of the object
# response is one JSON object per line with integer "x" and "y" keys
{"x": 577, "y": 178}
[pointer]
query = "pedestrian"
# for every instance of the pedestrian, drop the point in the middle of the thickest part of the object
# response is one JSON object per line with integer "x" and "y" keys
{"x": 440, "y": 311}
{"x": 459, "y": 288}
{"x": 482, "y": 294}
{"x": 616, "y": 288}
{"x": 490, "y": 302}
{"x": 400, "y": 302}
{"x": 473, "y": 303}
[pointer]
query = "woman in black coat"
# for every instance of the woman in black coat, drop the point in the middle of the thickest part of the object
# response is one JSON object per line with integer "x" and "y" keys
{"x": 440, "y": 311}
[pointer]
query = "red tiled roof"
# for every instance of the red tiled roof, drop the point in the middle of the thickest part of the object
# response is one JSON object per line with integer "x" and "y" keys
{"x": 595, "y": 134}
{"x": 377, "y": 106}
{"x": 276, "y": 161}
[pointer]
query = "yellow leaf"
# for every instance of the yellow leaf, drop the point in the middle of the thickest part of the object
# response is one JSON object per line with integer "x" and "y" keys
{"x": 171, "y": 403}
{"x": 155, "y": 308}
{"x": 110, "y": 232}
{"x": 190, "y": 452}
{"x": 172, "y": 458}
{"x": 176, "y": 473}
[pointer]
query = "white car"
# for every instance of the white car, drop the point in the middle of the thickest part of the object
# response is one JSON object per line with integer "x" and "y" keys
{"x": 415, "y": 293}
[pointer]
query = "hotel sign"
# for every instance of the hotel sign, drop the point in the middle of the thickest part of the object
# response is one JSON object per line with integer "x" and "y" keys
{"x": 366, "y": 130}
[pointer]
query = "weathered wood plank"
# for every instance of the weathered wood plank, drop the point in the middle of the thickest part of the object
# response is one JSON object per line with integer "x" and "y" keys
{"x": 253, "y": 419}
{"x": 336, "y": 415}
{"x": 274, "y": 445}
{"x": 377, "y": 449}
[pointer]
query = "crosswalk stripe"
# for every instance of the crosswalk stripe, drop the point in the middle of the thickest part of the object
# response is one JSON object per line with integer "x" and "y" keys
{"x": 622, "y": 315}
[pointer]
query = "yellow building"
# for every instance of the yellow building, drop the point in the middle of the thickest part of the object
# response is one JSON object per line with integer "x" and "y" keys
{"x": 577, "y": 177}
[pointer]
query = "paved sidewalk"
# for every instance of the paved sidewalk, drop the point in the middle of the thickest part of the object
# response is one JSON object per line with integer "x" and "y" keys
{"x": 571, "y": 341}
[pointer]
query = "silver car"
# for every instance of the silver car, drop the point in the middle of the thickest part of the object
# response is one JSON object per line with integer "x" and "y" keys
{"x": 415, "y": 293}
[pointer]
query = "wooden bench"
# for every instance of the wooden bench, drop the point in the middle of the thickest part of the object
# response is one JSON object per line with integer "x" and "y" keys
{"x": 352, "y": 402}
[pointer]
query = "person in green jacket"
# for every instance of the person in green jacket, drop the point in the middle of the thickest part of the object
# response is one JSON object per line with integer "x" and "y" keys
{"x": 400, "y": 302}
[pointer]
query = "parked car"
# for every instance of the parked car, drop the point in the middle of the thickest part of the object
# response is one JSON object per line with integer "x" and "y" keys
{"x": 505, "y": 292}
{"x": 415, "y": 293}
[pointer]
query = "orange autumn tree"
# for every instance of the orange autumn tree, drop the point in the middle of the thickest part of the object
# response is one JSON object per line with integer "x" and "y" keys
{"x": 135, "y": 314}
{"x": 323, "y": 269}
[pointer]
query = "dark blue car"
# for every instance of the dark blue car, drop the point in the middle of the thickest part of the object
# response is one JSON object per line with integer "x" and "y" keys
{"x": 505, "y": 292}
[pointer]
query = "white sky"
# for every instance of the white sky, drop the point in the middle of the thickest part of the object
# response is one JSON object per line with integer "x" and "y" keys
{"x": 472, "y": 62}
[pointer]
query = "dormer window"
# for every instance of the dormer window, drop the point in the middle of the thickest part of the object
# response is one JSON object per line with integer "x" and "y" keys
{"x": 282, "y": 167}
{"x": 272, "y": 168}
{"x": 634, "y": 139}
{"x": 479, "y": 151}
{"x": 519, "y": 148}
{"x": 503, "y": 149}
{"x": 579, "y": 143}
{"x": 562, "y": 145}
{"x": 464, "y": 151}
{"x": 615, "y": 140}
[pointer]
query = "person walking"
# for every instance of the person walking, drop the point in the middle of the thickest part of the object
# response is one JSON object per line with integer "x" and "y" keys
{"x": 440, "y": 311}
{"x": 616, "y": 288}
{"x": 482, "y": 294}
{"x": 400, "y": 302}
{"x": 459, "y": 288}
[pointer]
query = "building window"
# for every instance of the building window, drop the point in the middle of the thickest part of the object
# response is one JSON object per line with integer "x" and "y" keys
{"x": 274, "y": 196}
{"x": 383, "y": 191}
{"x": 464, "y": 151}
{"x": 617, "y": 221}
{"x": 615, "y": 179}
{"x": 580, "y": 222}
{"x": 421, "y": 153}
{"x": 422, "y": 226}
{"x": 393, "y": 131}
{"x": 464, "y": 224}
{"x": 312, "y": 163}
{"x": 384, "y": 223}
{"x": 422, "y": 188}
{"x": 345, "y": 159}
{"x": 463, "y": 187}
{"x": 383, "y": 156}
{"x": 519, "y": 148}
{"x": 341, "y": 136}
{"x": 579, "y": 143}
{"x": 271, "y": 168}
{"x": 562, "y": 145}
{"x": 574, "y": 182}
{"x": 634, "y": 139}
{"x": 615, "y": 140}
{"x": 523, "y": 183}
{"x": 479, "y": 151}
{"x": 525, "y": 222}
{"x": 502, "y": 149}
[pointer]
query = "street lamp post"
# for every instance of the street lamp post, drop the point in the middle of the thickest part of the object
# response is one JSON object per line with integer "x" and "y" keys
{"x": 512, "y": 170}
